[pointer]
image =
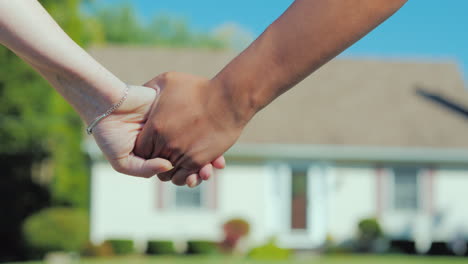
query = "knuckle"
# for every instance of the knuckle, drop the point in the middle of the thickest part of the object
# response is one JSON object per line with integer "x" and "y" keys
{"x": 199, "y": 162}
{"x": 173, "y": 145}
{"x": 167, "y": 76}
{"x": 194, "y": 164}
{"x": 164, "y": 75}
{"x": 119, "y": 167}
{"x": 178, "y": 182}
{"x": 164, "y": 177}
{"x": 157, "y": 125}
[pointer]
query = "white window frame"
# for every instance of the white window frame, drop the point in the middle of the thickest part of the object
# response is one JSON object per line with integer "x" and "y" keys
{"x": 169, "y": 193}
{"x": 392, "y": 193}
{"x": 203, "y": 198}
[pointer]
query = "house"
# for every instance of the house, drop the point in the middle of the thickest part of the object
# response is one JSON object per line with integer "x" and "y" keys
{"x": 359, "y": 138}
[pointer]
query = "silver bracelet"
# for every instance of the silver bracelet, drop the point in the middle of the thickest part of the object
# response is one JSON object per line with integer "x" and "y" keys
{"x": 90, "y": 128}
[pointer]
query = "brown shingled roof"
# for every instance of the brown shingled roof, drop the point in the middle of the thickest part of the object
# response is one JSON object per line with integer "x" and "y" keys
{"x": 359, "y": 102}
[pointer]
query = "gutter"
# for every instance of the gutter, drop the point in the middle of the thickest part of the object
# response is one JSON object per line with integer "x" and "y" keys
{"x": 349, "y": 153}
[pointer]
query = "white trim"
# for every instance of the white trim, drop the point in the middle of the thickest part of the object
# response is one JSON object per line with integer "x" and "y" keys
{"x": 349, "y": 153}
{"x": 319, "y": 179}
{"x": 330, "y": 152}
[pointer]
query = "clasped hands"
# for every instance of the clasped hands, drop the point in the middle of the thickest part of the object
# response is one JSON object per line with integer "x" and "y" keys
{"x": 177, "y": 126}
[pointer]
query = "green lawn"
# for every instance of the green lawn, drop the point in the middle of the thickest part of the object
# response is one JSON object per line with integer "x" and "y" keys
{"x": 353, "y": 259}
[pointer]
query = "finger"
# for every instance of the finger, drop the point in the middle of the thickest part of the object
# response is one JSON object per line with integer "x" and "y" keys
{"x": 179, "y": 176}
{"x": 193, "y": 180}
{"x": 176, "y": 155}
{"x": 219, "y": 163}
{"x": 159, "y": 145}
{"x": 144, "y": 143}
{"x": 165, "y": 153}
{"x": 158, "y": 83}
{"x": 206, "y": 172}
{"x": 136, "y": 166}
{"x": 166, "y": 176}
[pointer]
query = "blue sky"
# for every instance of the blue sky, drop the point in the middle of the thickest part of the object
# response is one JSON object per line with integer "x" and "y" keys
{"x": 427, "y": 29}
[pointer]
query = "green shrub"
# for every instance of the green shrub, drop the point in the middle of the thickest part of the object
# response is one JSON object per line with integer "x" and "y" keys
{"x": 269, "y": 251}
{"x": 369, "y": 229}
{"x": 202, "y": 247}
{"x": 121, "y": 246}
{"x": 370, "y": 236}
{"x": 160, "y": 247}
{"x": 56, "y": 229}
{"x": 101, "y": 250}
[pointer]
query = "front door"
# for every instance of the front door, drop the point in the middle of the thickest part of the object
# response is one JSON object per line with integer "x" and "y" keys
{"x": 303, "y": 207}
{"x": 299, "y": 201}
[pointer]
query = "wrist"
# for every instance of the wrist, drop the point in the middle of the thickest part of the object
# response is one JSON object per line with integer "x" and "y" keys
{"x": 90, "y": 93}
{"x": 239, "y": 105}
{"x": 92, "y": 107}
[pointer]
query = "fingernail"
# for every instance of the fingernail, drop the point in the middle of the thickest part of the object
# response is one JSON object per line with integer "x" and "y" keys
{"x": 198, "y": 182}
{"x": 158, "y": 89}
{"x": 192, "y": 184}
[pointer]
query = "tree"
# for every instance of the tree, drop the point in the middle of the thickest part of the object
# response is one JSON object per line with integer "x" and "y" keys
{"x": 41, "y": 153}
{"x": 37, "y": 125}
{"x": 120, "y": 24}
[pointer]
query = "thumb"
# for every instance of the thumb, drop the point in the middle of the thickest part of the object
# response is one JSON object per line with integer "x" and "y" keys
{"x": 136, "y": 166}
{"x": 159, "y": 82}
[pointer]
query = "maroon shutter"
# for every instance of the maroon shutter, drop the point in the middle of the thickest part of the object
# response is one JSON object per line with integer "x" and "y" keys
{"x": 212, "y": 192}
{"x": 160, "y": 189}
{"x": 429, "y": 191}
{"x": 380, "y": 192}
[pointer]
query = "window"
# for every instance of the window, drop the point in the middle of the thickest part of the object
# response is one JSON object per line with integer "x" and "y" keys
{"x": 406, "y": 190}
{"x": 171, "y": 197}
{"x": 188, "y": 197}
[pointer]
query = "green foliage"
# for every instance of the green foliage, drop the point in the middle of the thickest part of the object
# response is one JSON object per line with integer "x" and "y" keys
{"x": 369, "y": 229}
{"x": 38, "y": 126}
{"x": 68, "y": 15}
{"x": 270, "y": 251}
{"x": 370, "y": 236}
{"x": 19, "y": 197}
{"x": 57, "y": 229}
{"x": 202, "y": 247}
{"x": 160, "y": 247}
{"x": 35, "y": 120}
{"x": 101, "y": 250}
{"x": 24, "y": 116}
{"x": 121, "y": 246}
{"x": 70, "y": 185}
{"x": 120, "y": 24}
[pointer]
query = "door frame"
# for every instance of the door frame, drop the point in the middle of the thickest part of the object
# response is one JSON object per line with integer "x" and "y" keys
{"x": 315, "y": 233}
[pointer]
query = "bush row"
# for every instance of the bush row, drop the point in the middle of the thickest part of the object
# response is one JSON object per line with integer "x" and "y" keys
{"x": 155, "y": 247}
{"x": 67, "y": 229}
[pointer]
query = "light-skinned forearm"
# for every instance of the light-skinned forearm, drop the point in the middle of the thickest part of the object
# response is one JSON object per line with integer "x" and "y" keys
{"x": 306, "y": 36}
{"x": 29, "y": 31}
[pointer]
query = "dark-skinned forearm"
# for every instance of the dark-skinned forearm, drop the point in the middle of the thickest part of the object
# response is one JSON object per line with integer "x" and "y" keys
{"x": 306, "y": 36}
